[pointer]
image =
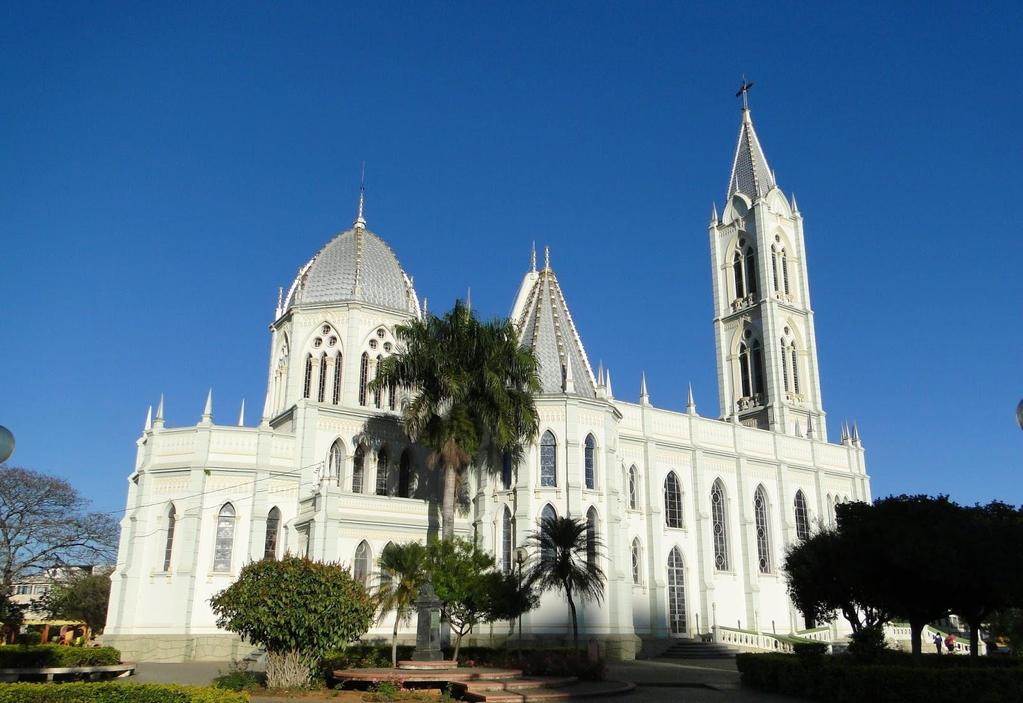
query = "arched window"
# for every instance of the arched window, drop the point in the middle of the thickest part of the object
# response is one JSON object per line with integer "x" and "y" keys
{"x": 774, "y": 269}
{"x": 307, "y": 386}
{"x": 751, "y": 272}
{"x": 785, "y": 365}
{"x": 633, "y": 489}
{"x": 719, "y": 525}
{"x": 360, "y": 566}
{"x": 363, "y": 377}
{"x": 392, "y": 396}
{"x": 785, "y": 270}
{"x": 224, "y": 543}
{"x": 758, "y": 366}
{"x": 405, "y": 475}
{"x": 376, "y": 372}
{"x": 589, "y": 472}
{"x": 548, "y": 513}
{"x": 506, "y": 470}
{"x": 591, "y": 537}
{"x": 763, "y": 527}
{"x": 802, "y": 519}
{"x": 672, "y": 501}
{"x": 338, "y": 365}
{"x": 676, "y": 592}
{"x": 740, "y": 282}
{"x": 382, "y": 470}
{"x": 795, "y": 367}
{"x": 745, "y": 375}
{"x": 635, "y": 561}
{"x": 322, "y": 394}
{"x": 507, "y": 540}
{"x": 168, "y": 551}
{"x": 548, "y": 460}
{"x": 358, "y": 469}
{"x": 335, "y": 461}
{"x": 273, "y": 528}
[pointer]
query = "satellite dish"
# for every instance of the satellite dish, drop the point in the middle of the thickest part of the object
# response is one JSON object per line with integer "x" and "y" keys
{"x": 7, "y": 443}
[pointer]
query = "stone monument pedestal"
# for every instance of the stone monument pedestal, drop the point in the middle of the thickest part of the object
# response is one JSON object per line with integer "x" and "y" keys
{"x": 428, "y": 627}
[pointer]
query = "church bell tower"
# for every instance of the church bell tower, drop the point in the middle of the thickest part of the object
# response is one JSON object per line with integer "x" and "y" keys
{"x": 763, "y": 323}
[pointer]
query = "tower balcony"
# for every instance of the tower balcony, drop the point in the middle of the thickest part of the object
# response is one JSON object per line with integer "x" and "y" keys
{"x": 743, "y": 303}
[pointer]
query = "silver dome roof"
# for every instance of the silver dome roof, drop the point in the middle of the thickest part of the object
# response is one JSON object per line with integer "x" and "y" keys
{"x": 355, "y": 266}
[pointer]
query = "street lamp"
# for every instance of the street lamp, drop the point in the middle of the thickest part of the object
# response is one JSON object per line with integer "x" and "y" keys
{"x": 6, "y": 444}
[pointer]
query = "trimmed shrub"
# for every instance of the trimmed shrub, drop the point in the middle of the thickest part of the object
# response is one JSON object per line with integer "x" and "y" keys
{"x": 50, "y": 655}
{"x": 898, "y": 679}
{"x": 109, "y": 692}
{"x": 810, "y": 653}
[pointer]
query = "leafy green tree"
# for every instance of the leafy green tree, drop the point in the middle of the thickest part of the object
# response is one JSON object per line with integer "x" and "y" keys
{"x": 83, "y": 597}
{"x": 566, "y": 561}
{"x": 298, "y": 610}
{"x": 473, "y": 386}
{"x": 405, "y": 568}
{"x": 468, "y": 584}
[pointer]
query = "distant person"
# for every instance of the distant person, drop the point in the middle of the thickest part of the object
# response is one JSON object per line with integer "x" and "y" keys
{"x": 950, "y": 643}
{"x": 937, "y": 642}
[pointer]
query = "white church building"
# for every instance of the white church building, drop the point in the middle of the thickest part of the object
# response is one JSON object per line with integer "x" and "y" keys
{"x": 695, "y": 511}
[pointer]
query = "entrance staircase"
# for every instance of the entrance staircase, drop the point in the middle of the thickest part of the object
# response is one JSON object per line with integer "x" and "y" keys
{"x": 698, "y": 649}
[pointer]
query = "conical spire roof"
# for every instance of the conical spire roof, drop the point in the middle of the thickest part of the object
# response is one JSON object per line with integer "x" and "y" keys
{"x": 751, "y": 175}
{"x": 545, "y": 325}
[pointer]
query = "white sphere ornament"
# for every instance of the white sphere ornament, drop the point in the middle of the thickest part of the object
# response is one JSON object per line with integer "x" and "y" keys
{"x": 6, "y": 444}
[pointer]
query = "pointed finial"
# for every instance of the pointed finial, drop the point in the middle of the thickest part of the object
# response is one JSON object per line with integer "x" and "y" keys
{"x": 690, "y": 403}
{"x": 241, "y": 415}
{"x": 264, "y": 421}
{"x": 569, "y": 384}
{"x": 644, "y": 396}
{"x": 794, "y": 206}
{"x": 845, "y": 433}
{"x": 607, "y": 378}
{"x": 856, "y": 434}
{"x": 149, "y": 420}
{"x": 713, "y": 213}
{"x": 809, "y": 427}
{"x": 158, "y": 423}
{"x": 280, "y": 302}
{"x": 600, "y": 373}
{"x": 207, "y": 411}
{"x": 360, "y": 218}
{"x": 532, "y": 258}
{"x": 547, "y": 258}
{"x": 425, "y": 302}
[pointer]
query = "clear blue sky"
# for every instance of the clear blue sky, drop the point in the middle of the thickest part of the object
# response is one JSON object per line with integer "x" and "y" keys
{"x": 165, "y": 169}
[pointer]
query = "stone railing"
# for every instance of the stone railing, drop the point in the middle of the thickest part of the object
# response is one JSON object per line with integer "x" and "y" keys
{"x": 901, "y": 635}
{"x": 749, "y": 641}
{"x": 817, "y": 634}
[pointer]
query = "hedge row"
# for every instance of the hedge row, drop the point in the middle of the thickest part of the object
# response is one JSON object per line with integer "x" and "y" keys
{"x": 43, "y": 655}
{"x": 841, "y": 680}
{"x": 109, "y": 692}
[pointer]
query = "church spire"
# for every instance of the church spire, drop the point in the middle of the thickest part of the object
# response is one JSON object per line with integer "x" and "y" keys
{"x": 690, "y": 403}
{"x": 751, "y": 175}
{"x": 158, "y": 422}
{"x": 360, "y": 217}
{"x": 644, "y": 396}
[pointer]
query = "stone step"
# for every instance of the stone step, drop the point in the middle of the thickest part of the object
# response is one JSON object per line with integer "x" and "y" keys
{"x": 427, "y": 665}
{"x": 582, "y": 689}
{"x": 526, "y": 682}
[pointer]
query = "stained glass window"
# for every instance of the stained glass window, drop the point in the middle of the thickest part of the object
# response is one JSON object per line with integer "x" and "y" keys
{"x": 548, "y": 460}
{"x": 382, "y": 470}
{"x": 273, "y": 528}
{"x": 676, "y": 593}
{"x": 358, "y": 469}
{"x": 633, "y": 488}
{"x": 172, "y": 518}
{"x": 802, "y": 519}
{"x": 225, "y": 539}
{"x": 672, "y": 501}
{"x": 589, "y": 448}
{"x": 763, "y": 530}
{"x": 719, "y": 525}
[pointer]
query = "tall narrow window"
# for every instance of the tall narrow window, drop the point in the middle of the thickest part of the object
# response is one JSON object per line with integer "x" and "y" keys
{"x": 224, "y": 544}
{"x": 676, "y": 593}
{"x": 763, "y": 530}
{"x": 273, "y": 528}
{"x": 802, "y": 519}
{"x": 360, "y": 566}
{"x": 795, "y": 367}
{"x": 751, "y": 272}
{"x": 672, "y": 501}
{"x": 635, "y": 561}
{"x": 405, "y": 475}
{"x": 358, "y": 469}
{"x": 719, "y": 525}
{"x": 334, "y": 462}
{"x": 633, "y": 489}
{"x": 363, "y": 377}
{"x": 507, "y": 540}
{"x": 377, "y": 392}
{"x": 382, "y": 477}
{"x": 740, "y": 284}
{"x": 591, "y": 538}
{"x": 548, "y": 460}
{"x": 506, "y": 470}
{"x": 307, "y": 386}
{"x": 546, "y": 549}
{"x": 785, "y": 365}
{"x": 589, "y": 448}
{"x": 744, "y": 370}
{"x": 758, "y": 367}
{"x": 774, "y": 270}
{"x": 168, "y": 551}
{"x": 392, "y": 396}
{"x": 322, "y": 394}
{"x": 785, "y": 270}
{"x": 338, "y": 364}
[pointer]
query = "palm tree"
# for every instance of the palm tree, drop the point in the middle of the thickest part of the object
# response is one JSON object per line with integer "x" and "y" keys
{"x": 473, "y": 386}
{"x": 567, "y": 561}
{"x": 403, "y": 568}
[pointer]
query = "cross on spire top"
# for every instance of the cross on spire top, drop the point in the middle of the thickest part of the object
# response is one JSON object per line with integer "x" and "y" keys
{"x": 744, "y": 92}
